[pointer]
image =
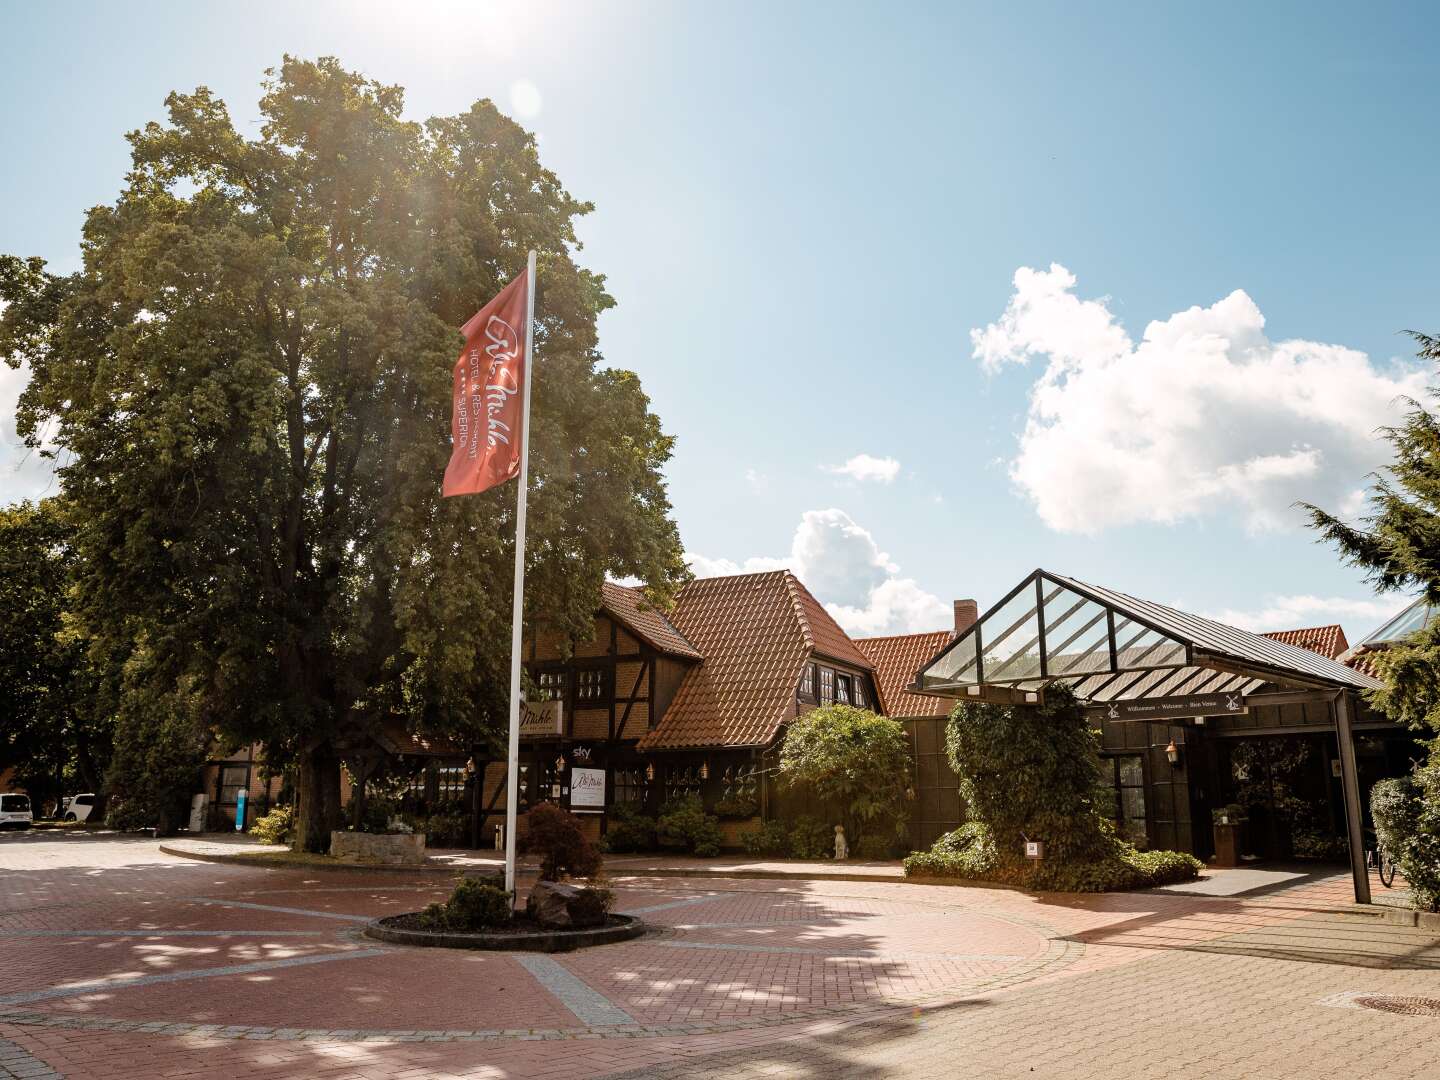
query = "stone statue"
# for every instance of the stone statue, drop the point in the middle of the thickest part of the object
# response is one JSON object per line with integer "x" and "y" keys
{"x": 842, "y": 849}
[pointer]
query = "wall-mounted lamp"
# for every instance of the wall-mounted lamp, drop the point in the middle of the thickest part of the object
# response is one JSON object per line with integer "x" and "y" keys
{"x": 560, "y": 763}
{"x": 650, "y": 771}
{"x": 704, "y": 770}
{"x": 1172, "y": 753}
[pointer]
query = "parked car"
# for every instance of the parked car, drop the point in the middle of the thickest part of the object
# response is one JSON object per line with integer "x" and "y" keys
{"x": 15, "y": 812}
{"x": 78, "y": 807}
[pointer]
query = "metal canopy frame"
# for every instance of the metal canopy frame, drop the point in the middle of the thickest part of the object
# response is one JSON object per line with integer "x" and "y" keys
{"x": 1110, "y": 646}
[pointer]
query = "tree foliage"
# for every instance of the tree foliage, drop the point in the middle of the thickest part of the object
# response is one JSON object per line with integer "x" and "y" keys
{"x": 1397, "y": 546}
{"x": 50, "y": 730}
{"x": 855, "y": 763}
{"x": 249, "y": 380}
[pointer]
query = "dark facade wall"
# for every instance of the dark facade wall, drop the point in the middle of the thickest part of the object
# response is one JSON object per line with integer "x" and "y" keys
{"x": 669, "y": 674}
{"x": 1173, "y": 803}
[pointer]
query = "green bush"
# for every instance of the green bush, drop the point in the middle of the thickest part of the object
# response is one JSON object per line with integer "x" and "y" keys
{"x": 969, "y": 852}
{"x": 873, "y": 846}
{"x": 1407, "y": 824}
{"x": 811, "y": 838}
{"x": 857, "y": 767}
{"x": 684, "y": 824}
{"x": 628, "y": 829}
{"x": 276, "y": 827}
{"x": 771, "y": 838}
{"x": 473, "y": 905}
{"x": 446, "y": 829}
{"x": 1033, "y": 772}
{"x": 557, "y": 836}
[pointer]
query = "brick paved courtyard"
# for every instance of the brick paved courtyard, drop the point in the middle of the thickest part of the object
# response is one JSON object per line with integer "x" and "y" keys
{"x": 122, "y": 961}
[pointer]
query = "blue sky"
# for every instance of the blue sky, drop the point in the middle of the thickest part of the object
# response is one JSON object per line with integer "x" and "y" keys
{"x": 813, "y": 216}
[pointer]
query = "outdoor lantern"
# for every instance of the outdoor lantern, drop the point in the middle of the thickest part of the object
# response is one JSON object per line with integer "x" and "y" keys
{"x": 704, "y": 770}
{"x": 1172, "y": 753}
{"x": 650, "y": 771}
{"x": 560, "y": 763}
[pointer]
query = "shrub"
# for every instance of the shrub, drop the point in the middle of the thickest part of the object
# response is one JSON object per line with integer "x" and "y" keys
{"x": 737, "y": 807}
{"x": 684, "y": 824}
{"x": 628, "y": 829}
{"x": 770, "y": 838}
{"x": 1033, "y": 772}
{"x": 872, "y": 846}
{"x": 1407, "y": 824}
{"x": 856, "y": 764}
{"x": 557, "y": 836}
{"x": 443, "y": 829}
{"x": 811, "y": 838}
{"x": 276, "y": 827}
{"x": 473, "y": 905}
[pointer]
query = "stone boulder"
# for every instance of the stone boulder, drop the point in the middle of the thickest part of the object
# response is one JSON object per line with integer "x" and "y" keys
{"x": 558, "y": 906}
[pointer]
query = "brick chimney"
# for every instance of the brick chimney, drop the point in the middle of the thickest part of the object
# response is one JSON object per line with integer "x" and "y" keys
{"x": 966, "y": 612}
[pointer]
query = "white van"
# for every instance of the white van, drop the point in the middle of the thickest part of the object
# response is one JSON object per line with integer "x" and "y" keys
{"x": 15, "y": 812}
{"x": 78, "y": 807}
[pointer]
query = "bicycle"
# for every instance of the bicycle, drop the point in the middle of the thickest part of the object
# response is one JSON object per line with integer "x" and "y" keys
{"x": 1379, "y": 860}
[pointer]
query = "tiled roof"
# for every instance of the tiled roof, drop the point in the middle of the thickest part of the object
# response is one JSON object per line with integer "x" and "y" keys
{"x": 1328, "y": 641}
{"x": 631, "y": 608}
{"x": 896, "y": 661}
{"x": 1362, "y": 659}
{"x": 755, "y": 632}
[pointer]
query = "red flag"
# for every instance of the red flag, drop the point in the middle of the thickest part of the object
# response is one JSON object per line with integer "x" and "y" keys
{"x": 488, "y": 411}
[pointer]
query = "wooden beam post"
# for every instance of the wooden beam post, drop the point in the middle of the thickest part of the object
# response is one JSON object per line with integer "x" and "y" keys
{"x": 1340, "y": 709}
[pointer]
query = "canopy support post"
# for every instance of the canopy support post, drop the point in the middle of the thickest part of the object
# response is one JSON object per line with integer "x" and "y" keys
{"x": 1340, "y": 710}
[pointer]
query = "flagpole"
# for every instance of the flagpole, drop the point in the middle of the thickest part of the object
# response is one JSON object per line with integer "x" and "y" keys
{"x": 512, "y": 767}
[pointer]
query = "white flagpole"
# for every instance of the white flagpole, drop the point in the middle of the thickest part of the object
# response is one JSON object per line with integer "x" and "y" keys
{"x": 512, "y": 767}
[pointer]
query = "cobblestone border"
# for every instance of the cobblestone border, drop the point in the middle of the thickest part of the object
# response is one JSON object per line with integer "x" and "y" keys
{"x": 17, "y": 1063}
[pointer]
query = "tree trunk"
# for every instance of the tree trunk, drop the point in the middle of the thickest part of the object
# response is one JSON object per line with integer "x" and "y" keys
{"x": 317, "y": 799}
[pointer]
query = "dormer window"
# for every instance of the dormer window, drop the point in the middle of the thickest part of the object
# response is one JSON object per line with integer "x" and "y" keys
{"x": 860, "y": 693}
{"x": 827, "y": 686}
{"x": 843, "y": 684}
{"x": 806, "y": 689}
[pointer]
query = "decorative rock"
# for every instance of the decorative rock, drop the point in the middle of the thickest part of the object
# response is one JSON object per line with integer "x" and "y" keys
{"x": 389, "y": 848}
{"x": 559, "y": 906}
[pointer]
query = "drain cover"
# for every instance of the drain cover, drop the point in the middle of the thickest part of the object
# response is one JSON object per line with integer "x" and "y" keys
{"x": 1405, "y": 1006}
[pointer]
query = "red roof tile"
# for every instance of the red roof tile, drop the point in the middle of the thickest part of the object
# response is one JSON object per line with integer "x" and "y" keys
{"x": 631, "y": 608}
{"x": 896, "y": 660}
{"x": 755, "y": 631}
{"x": 1328, "y": 641}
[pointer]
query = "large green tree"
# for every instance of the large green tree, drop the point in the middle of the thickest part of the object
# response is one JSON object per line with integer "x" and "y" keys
{"x": 50, "y": 731}
{"x": 1397, "y": 546}
{"x": 249, "y": 381}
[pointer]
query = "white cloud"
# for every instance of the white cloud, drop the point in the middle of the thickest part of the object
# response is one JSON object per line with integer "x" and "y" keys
{"x": 525, "y": 99}
{"x": 840, "y": 562}
{"x": 863, "y": 468}
{"x": 1359, "y": 617}
{"x": 1205, "y": 413}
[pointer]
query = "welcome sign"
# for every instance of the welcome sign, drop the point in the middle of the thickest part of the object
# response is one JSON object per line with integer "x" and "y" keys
{"x": 1172, "y": 708}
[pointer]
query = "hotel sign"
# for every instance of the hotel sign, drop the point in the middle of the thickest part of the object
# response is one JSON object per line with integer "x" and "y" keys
{"x": 1172, "y": 708}
{"x": 541, "y": 719}
{"x": 587, "y": 791}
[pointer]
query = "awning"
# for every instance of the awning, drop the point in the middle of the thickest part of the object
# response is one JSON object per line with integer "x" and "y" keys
{"x": 1110, "y": 646}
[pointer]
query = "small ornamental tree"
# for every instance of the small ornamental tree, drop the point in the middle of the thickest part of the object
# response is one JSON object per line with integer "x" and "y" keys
{"x": 857, "y": 764}
{"x": 557, "y": 836}
{"x": 1032, "y": 772}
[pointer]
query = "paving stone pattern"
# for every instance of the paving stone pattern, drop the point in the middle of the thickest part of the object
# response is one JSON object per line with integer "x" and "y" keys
{"x": 124, "y": 962}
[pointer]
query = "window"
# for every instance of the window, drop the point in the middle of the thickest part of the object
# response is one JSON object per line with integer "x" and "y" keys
{"x": 233, "y": 780}
{"x": 1124, "y": 779}
{"x": 807, "y": 683}
{"x": 681, "y": 780}
{"x": 551, "y": 685}
{"x": 14, "y": 804}
{"x": 827, "y": 686}
{"x": 630, "y": 785}
{"x": 590, "y": 684}
{"x": 450, "y": 783}
{"x": 860, "y": 693}
{"x": 842, "y": 689}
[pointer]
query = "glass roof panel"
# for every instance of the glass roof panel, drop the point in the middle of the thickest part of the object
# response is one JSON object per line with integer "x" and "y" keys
{"x": 1077, "y": 634}
{"x": 1415, "y": 617}
{"x": 1010, "y": 639}
{"x": 956, "y": 666}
